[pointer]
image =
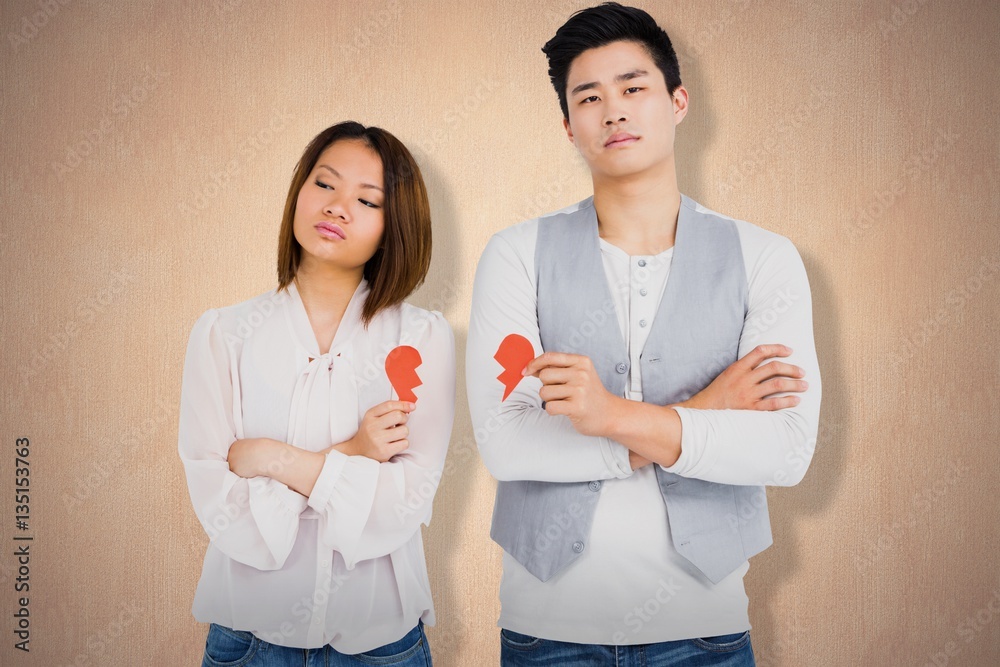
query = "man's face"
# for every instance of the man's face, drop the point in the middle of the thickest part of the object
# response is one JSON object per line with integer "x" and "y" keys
{"x": 621, "y": 117}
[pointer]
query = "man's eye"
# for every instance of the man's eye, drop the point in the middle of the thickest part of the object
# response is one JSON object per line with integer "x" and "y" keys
{"x": 633, "y": 88}
{"x": 587, "y": 99}
{"x": 369, "y": 204}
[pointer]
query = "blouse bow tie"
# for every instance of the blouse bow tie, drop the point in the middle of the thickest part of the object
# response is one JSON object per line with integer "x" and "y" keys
{"x": 324, "y": 402}
{"x": 320, "y": 360}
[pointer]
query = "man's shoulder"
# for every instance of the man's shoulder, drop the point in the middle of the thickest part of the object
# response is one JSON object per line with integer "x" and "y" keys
{"x": 522, "y": 235}
{"x": 754, "y": 239}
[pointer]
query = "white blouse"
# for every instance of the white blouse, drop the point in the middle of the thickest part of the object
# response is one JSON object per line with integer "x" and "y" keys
{"x": 344, "y": 566}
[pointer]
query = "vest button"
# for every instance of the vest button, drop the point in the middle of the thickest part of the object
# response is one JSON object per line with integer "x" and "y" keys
{"x": 621, "y": 367}
{"x": 642, "y": 262}
{"x": 595, "y": 485}
{"x": 578, "y": 546}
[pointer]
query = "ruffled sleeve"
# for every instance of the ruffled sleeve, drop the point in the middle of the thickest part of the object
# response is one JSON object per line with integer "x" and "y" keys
{"x": 253, "y": 521}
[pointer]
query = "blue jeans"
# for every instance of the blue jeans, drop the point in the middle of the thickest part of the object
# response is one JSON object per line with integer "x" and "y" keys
{"x": 226, "y": 647}
{"x": 517, "y": 650}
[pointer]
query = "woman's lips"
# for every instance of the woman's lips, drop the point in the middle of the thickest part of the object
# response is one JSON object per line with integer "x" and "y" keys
{"x": 331, "y": 231}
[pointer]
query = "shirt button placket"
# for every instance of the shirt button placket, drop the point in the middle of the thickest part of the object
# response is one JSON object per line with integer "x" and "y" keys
{"x": 317, "y": 627}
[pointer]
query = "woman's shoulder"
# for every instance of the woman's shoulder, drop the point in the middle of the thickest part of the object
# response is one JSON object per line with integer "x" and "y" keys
{"x": 413, "y": 323}
{"x": 250, "y": 313}
{"x": 412, "y": 315}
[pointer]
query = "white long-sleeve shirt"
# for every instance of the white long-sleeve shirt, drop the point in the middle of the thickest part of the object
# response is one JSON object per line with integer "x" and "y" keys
{"x": 631, "y": 586}
{"x": 344, "y": 566}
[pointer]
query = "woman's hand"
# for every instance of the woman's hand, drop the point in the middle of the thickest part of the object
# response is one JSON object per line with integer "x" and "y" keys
{"x": 382, "y": 433}
{"x": 746, "y": 384}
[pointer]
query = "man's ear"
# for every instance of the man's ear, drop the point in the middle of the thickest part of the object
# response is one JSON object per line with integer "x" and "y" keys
{"x": 680, "y": 98}
{"x": 569, "y": 130}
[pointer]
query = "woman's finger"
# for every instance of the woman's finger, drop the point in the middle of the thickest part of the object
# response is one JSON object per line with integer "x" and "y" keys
{"x": 388, "y": 406}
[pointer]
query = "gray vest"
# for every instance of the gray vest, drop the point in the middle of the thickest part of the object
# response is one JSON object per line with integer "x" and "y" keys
{"x": 695, "y": 335}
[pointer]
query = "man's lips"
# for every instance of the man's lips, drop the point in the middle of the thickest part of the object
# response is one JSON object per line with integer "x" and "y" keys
{"x": 620, "y": 139}
{"x": 331, "y": 230}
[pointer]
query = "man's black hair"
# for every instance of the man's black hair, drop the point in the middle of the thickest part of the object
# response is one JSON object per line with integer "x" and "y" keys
{"x": 597, "y": 26}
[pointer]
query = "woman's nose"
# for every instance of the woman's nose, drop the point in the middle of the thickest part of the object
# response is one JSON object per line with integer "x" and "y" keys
{"x": 334, "y": 207}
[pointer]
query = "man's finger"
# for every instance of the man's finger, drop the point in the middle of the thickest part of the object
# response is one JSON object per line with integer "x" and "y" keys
{"x": 555, "y": 392}
{"x": 762, "y": 352}
{"x": 780, "y": 385}
{"x": 555, "y": 375}
{"x": 557, "y": 407}
{"x": 550, "y": 359}
{"x": 780, "y": 403}
{"x": 776, "y": 369}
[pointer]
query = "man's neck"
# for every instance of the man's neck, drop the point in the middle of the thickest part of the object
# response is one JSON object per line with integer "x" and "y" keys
{"x": 639, "y": 213}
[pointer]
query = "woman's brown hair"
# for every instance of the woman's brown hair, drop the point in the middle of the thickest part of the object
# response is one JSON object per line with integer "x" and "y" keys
{"x": 397, "y": 267}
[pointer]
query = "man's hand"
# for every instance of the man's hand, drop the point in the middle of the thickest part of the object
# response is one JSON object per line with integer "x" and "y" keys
{"x": 571, "y": 387}
{"x": 746, "y": 383}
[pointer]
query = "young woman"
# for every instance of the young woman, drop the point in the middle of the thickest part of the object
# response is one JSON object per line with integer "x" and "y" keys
{"x": 310, "y": 465}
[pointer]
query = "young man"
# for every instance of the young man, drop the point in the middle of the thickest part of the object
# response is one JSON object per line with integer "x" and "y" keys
{"x": 632, "y": 456}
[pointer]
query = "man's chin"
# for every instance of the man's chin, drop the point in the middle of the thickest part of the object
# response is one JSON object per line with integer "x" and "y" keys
{"x": 625, "y": 167}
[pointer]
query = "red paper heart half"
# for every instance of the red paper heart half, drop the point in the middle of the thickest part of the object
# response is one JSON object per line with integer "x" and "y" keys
{"x": 401, "y": 367}
{"x": 514, "y": 353}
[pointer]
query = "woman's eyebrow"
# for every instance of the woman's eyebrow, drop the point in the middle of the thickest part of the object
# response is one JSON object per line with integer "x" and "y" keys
{"x": 337, "y": 174}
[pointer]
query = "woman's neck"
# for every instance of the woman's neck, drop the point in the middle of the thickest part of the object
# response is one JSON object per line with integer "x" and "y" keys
{"x": 326, "y": 290}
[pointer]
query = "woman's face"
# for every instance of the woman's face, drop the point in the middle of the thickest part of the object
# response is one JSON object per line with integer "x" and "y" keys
{"x": 339, "y": 214}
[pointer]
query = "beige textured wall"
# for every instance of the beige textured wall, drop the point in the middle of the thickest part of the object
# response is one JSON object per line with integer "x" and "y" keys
{"x": 146, "y": 152}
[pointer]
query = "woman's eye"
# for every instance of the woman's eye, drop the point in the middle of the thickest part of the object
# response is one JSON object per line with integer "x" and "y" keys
{"x": 323, "y": 185}
{"x": 369, "y": 204}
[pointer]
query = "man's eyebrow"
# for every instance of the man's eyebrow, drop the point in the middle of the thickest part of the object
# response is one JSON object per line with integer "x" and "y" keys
{"x": 337, "y": 174}
{"x": 627, "y": 76}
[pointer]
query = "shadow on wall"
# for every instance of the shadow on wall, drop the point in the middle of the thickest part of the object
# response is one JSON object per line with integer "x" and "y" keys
{"x": 457, "y": 486}
{"x": 777, "y": 629}
{"x": 774, "y": 632}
